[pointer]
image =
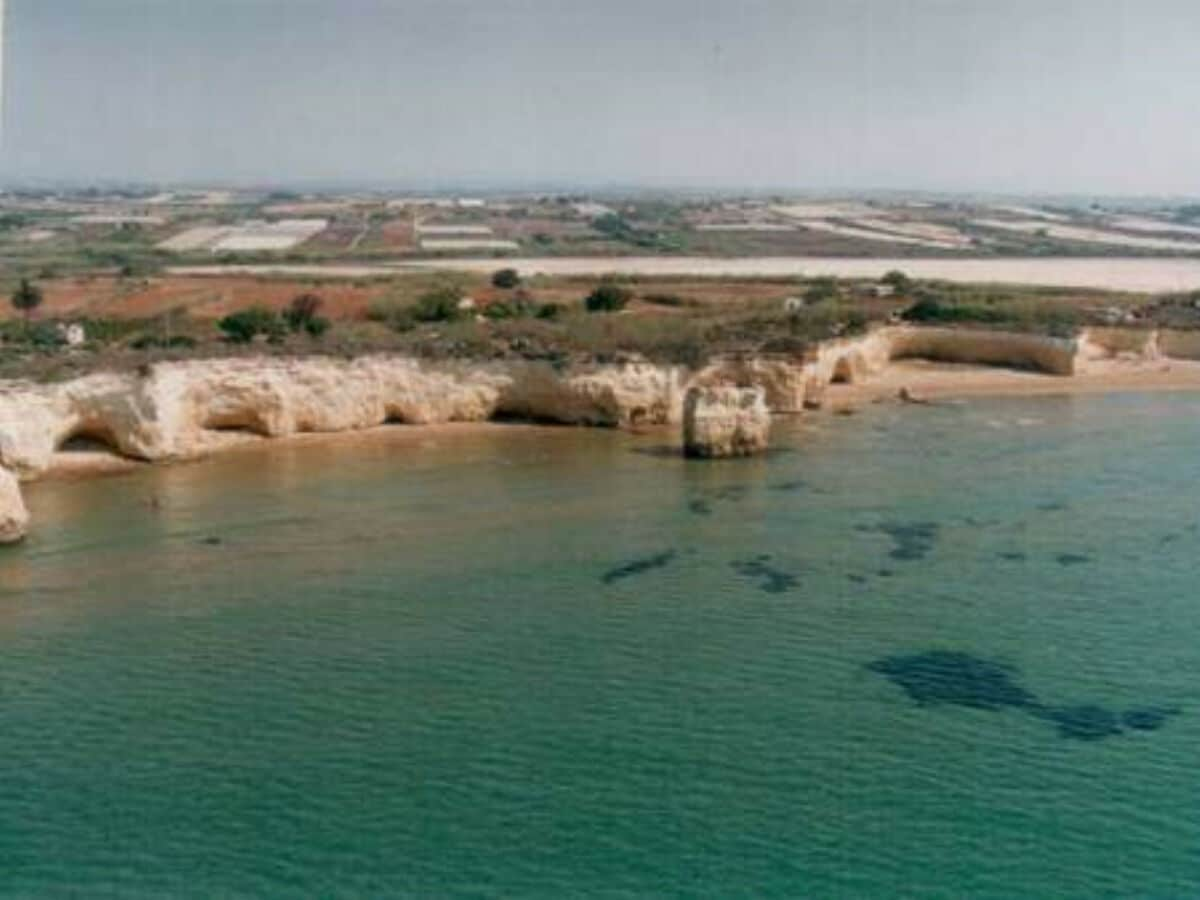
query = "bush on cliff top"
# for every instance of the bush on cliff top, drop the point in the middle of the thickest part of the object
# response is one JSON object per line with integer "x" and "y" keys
{"x": 438, "y": 305}
{"x": 244, "y": 326}
{"x": 608, "y": 297}
{"x": 931, "y": 309}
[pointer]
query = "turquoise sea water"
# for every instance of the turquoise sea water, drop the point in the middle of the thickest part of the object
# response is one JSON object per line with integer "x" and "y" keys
{"x": 923, "y": 652}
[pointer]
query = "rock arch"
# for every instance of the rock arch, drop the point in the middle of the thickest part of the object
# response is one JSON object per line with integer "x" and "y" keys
{"x": 91, "y": 436}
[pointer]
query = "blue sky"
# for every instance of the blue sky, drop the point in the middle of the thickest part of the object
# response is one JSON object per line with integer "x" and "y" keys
{"x": 1091, "y": 96}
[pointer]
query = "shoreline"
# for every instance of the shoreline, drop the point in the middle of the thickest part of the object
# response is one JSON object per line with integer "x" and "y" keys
{"x": 935, "y": 380}
{"x": 923, "y": 380}
{"x": 110, "y": 423}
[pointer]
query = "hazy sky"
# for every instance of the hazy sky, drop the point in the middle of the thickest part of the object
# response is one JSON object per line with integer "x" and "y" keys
{"x": 1093, "y": 96}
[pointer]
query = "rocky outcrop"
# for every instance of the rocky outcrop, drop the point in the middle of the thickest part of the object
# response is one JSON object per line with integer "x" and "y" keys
{"x": 14, "y": 517}
{"x": 1179, "y": 344}
{"x": 1113, "y": 343}
{"x": 181, "y": 410}
{"x": 186, "y": 409}
{"x": 725, "y": 421}
{"x": 783, "y": 379}
{"x": 1039, "y": 353}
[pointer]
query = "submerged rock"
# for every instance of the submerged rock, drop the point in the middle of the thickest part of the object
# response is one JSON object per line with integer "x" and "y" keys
{"x": 14, "y": 517}
{"x": 725, "y": 421}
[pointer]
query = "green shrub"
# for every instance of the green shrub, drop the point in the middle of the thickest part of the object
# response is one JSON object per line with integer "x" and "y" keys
{"x": 316, "y": 326}
{"x": 506, "y": 279}
{"x": 549, "y": 311}
{"x": 44, "y": 336}
{"x": 931, "y": 309}
{"x": 244, "y": 326}
{"x": 438, "y": 305}
{"x": 608, "y": 297}
{"x": 820, "y": 290}
{"x": 899, "y": 282}
{"x": 154, "y": 341}
{"x": 26, "y": 298}
{"x": 499, "y": 310}
{"x": 301, "y": 311}
{"x": 855, "y": 322}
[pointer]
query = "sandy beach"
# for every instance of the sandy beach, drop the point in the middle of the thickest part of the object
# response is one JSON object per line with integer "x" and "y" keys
{"x": 933, "y": 380}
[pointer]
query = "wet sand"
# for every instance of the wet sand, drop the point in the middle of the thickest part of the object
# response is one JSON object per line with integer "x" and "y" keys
{"x": 931, "y": 380}
{"x": 72, "y": 464}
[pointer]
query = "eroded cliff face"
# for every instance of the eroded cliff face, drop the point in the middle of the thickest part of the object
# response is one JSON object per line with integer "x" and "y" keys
{"x": 14, "y": 517}
{"x": 724, "y": 421}
{"x": 186, "y": 409}
{"x": 181, "y": 410}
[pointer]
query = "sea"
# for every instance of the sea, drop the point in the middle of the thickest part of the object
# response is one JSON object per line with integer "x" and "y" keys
{"x": 933, "y": 652}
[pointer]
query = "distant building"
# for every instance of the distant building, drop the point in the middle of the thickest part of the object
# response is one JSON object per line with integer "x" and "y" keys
{"x": 877, "y": 290}
{"x": 72, "y": 335}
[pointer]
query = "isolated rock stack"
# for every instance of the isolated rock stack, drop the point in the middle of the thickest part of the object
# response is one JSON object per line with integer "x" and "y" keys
{"x": 725, "y": 421}
{"x": 14, "y": 518}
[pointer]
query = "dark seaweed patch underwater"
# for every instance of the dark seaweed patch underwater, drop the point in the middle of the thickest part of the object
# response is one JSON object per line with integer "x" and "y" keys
{"x": 638, "y": 566}
{"x": 959, "y": 679}
{"x": 943, "y": 676}
{"x": 771, "y": 580}
{"x": 910, "y": 540}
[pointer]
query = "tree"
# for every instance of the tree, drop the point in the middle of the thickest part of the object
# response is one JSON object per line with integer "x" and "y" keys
{"x": 506, "y": 279}
{"x": 316, "y": 326}
{"x": 26, "y": 298}
{"x": 820, "y": 290}
{"x": 608, "y": 297}
{"x": 244, "y": 326}
{"x": 438, "y": 305}
{"x": 301, "y": 311}
{"x": 899, "y": 282}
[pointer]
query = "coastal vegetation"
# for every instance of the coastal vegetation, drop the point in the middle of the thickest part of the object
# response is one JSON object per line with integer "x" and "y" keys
{"x": 127, "y": 322}
{"x": 26, "y": 298}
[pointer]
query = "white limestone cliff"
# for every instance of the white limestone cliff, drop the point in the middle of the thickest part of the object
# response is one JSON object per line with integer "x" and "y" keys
{"x": 186, "y": 409}
{"x": 724, "y": 421}
{"x": 14, "y": 517}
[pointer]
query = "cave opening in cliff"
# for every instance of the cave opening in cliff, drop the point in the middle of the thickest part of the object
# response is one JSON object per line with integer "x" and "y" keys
{"x": 90, "y": 438}
{"x": 843, "y": 371}
{"x": 240, "y": 422}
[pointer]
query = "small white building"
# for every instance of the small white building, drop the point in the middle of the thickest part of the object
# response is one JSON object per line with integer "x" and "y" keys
{"x": 72, "y": 335}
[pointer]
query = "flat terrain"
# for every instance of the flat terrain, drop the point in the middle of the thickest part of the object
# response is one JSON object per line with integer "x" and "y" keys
{"x": 1109, "y": 273}
{"x": 64, "y": 232}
